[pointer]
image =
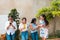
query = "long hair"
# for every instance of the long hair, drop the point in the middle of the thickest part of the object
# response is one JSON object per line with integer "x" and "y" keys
{"x": 46, "y": 21}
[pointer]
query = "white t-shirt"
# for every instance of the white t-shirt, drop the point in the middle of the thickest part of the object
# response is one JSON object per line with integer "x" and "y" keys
{"x": 11, "y": 29}
{"x": 21, "y": 26}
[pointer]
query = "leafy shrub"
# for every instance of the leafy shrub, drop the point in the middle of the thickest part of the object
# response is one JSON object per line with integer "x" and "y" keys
{"x": 57, "y": 33}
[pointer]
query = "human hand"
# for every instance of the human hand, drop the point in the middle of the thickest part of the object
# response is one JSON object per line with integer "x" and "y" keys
{"x": 8, "y": 26}
{"x": 13, "y": 26}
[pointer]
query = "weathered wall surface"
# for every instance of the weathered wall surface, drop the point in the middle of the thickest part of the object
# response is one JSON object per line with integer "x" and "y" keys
{"x": 26, "y": 8}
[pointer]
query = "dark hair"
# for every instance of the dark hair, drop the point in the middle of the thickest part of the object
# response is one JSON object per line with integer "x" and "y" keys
{"x": 33, "y": 20}
{"x": 24, "y": 18}
{"x": 10, "y": 16}
{"x": 46, "y": 21}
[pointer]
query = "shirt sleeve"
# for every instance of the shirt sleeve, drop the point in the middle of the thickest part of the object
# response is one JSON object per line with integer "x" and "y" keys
{"x": 20, "y": 26}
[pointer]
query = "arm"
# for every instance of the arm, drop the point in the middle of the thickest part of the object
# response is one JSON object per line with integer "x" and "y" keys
{"x": 39, "y": 26}
{"x": 20, "y": 27}
{"x": 31, "y": 27}
{"x": 7, "y": 26}
{"x": 14, "y": 25}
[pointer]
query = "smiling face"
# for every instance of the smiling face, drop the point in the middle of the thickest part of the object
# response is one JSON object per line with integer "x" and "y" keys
{"x": 41, "y": 18}
{"x": 10, "y": 19}
{"x": 24, "y": 20}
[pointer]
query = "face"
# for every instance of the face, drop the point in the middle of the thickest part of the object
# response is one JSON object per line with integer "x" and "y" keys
{"x": 24, "y": 21}
{"x": 42, "y": 18}
{"x": 10, "y": 19}
{"x": 35, "y": 21}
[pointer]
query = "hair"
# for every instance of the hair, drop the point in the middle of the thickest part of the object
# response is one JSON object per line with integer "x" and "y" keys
{"x": 24, "y": 18}
{"x": 46, "y": 21}
{"x": 10, "y": 16}
{"x": 33, "y": 20}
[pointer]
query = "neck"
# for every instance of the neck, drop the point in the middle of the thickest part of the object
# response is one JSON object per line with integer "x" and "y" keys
{"x": 24, "y": 23}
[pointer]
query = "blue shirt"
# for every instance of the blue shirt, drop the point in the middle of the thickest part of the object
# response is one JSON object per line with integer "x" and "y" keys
{"x": 42, "y": 22}
{"x": 34, "y": 26}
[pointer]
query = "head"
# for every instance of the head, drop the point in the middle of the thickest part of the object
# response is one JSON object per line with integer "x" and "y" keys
{"x": 24, "y": 20}
{"x": 10, "y": 18}
{"x": 43, "y": 17}
{"x": 33, "y": 20}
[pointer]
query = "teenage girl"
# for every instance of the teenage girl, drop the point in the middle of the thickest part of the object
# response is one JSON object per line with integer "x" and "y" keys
{"x": 34, "y": 31}
{"x": 23, "y": 27}
{"x": 43, "y": 23}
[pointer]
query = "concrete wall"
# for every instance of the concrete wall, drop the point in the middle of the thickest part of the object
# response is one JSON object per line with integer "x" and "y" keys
{"x": 3, "y": 19}
{"x": 26, "y": 8}
{"x": 52, "y": 25}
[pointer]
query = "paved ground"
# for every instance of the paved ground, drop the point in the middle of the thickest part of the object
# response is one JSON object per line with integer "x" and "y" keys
{"x": 54, "y": 39}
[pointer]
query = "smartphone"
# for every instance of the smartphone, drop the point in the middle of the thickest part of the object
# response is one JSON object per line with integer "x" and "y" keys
{"x": 10, "y": 23}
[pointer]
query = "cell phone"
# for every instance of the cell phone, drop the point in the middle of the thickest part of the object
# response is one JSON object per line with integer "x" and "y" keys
{"x": 10, "y": 23}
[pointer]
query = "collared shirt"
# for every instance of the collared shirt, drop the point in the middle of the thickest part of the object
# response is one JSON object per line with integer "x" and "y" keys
{"x": 11, "y": 30}
{"x": 25, "y": 26}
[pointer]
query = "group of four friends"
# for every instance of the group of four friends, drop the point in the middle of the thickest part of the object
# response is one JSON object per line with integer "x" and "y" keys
{"x": 11, "y": 27}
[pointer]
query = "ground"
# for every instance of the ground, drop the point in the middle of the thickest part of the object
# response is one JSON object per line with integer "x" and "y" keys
{"x": 54, "y": 39}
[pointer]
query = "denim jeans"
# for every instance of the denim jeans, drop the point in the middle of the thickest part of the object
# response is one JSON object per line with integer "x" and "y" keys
{"x": 34, "y": 36}
{"x": 10, "y": 37}
{"x": 24, "y": 35}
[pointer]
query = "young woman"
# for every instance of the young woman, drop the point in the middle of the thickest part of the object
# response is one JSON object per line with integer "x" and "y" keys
{"x": 10, "y": 28}
{"x": 24, "y": 29}
{"x": 34, "y": 33}
{"x": 43, "y": 27}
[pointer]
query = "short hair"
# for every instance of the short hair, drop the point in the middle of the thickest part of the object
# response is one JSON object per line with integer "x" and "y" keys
{"x": 33, "y": 20}
{"x": 10, "y": 16}
{"x": 24, "y": 18}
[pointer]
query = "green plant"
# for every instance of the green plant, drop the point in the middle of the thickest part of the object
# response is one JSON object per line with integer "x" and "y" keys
{"x": 15, "y": 16}
{"x": 13, "y": 13}
{"x": 56, "y": 5}
{"x": 46, "y": 11}
{"x": 57, "y": 33}
{"x": 51, "y": 12}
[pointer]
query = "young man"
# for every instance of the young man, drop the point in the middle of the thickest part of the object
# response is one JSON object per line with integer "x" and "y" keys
{"x": 10, "y": 28}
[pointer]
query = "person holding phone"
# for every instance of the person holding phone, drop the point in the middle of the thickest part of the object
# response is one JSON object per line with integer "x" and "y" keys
{"x": 10, "y": 28}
